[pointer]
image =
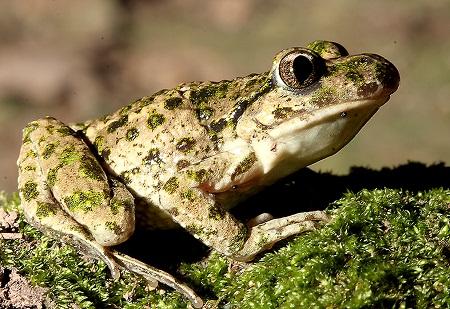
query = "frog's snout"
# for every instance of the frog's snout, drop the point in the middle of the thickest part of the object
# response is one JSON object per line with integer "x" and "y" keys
{"x": 386, "y": 73}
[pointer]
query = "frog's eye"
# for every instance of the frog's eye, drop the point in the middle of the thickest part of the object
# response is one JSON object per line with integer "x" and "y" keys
{"x": 300, "y": 68}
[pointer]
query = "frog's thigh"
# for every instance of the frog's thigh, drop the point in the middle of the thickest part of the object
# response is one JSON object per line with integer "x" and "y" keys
{"x": 197, "y": 212}
{"x": 58, "y": 169}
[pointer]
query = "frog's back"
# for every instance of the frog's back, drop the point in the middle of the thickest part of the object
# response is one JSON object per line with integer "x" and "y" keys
{"x": 156, "y": 137}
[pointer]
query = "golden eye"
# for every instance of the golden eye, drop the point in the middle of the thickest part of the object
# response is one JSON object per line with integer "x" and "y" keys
{"x": 300, "y": 68}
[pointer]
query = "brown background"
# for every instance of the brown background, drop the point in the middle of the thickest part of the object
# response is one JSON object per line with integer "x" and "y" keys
{"x": 77, "y": 60}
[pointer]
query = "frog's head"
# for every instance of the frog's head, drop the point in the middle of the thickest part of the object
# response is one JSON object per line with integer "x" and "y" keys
{"x": 319, "y": 97}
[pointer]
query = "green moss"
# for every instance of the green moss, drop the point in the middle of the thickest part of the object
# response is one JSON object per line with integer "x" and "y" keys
{"x": 171, "y": 185}
{"x": 116, "y": 204}
{"x": 30, "y": 168}
{"x": 29, "y": 190}
{"x": 85, "y": 201}
{"x": 383, "y": 249}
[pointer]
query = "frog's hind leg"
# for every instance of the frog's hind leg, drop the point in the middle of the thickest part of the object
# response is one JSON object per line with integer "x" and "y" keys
{"x": 64, "y": 191}
{"x": 153, "y": 274}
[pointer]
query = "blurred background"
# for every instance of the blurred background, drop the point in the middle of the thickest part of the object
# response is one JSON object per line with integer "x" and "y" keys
{"x": 77, "y": 60}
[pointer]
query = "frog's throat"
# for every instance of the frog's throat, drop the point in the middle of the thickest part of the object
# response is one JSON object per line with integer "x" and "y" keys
{"x": 299, "y": 142}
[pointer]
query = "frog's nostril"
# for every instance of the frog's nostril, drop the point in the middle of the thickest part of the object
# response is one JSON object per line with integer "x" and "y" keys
{"x": 386, "y": 72}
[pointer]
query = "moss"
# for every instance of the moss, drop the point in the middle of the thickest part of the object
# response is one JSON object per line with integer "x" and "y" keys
{"x": 113, "y": 126}
{"x": 84, "y": 201}
{"x": 29, "y": 190}
{"x": 132, "y": 134}
{"x": 155, "y": 120}
{"x": 216, "y": 212}
{"x": 384, "y": 248}
{"x": 171, "y": 185}
{"x": 30, "y": 168}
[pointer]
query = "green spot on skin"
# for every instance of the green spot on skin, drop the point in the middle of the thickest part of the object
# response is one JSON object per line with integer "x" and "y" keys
{"x": 172, "y": 103}
{"x": 282, "y": 112}
{"x": 198, "y": 176}
{"x": 69, "y": 155}
{"x": 204, "y": 113}
{"x": 216, "y": 212}
{"x": 116, "y": 204}
{"x": 31, "y": 154}
{"x": 182, "y": 164}
{"x": 132, "y": 134}
{"x": 65, "y": 131}
{"x": 188, "y": 195}
{"x": 85, "y": 201}
{"x": 29, "y": 190}
{"x": 244, "y": 166}
{"x": 113, "y": 226}
{"x": 185, "y": 144}
{"x": 51, "y": 176}
{"x": 113, "y": 126}
{"x": 155, "y": 120}
{"x": 27, "y": 131}
{"x": 99, "y": 143}
{"x": 124, "y": 110}
{"x": 90, "y": 168}
{"x": 153, "y": 157}
{"x": 48, "y": 150}
{"x": 171, "y": 185}
{"x": 45, "y": 210}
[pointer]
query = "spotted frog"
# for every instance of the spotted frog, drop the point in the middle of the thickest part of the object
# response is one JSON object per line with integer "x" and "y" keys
{"x": 183, "y": 157}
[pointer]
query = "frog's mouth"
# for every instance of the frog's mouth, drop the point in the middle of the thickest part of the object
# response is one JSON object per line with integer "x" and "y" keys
{"x": 301, "y": 141}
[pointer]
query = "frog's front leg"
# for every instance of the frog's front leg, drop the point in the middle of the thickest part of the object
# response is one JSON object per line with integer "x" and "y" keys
{"x": 65, "y": 192}
{"x": 190, "y": 200}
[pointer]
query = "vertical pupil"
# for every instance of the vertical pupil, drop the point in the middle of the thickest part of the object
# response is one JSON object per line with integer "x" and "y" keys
{"x": 302, "y": 68}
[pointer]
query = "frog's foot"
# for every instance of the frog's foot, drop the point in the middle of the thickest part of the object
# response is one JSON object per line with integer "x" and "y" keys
{"x": 154, "y": 275}
{"x": 264, "y": 235}
{"x": 65, "y": 192}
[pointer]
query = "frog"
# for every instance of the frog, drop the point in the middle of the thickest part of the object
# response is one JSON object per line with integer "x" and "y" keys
{"x": 183, "y": 157}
